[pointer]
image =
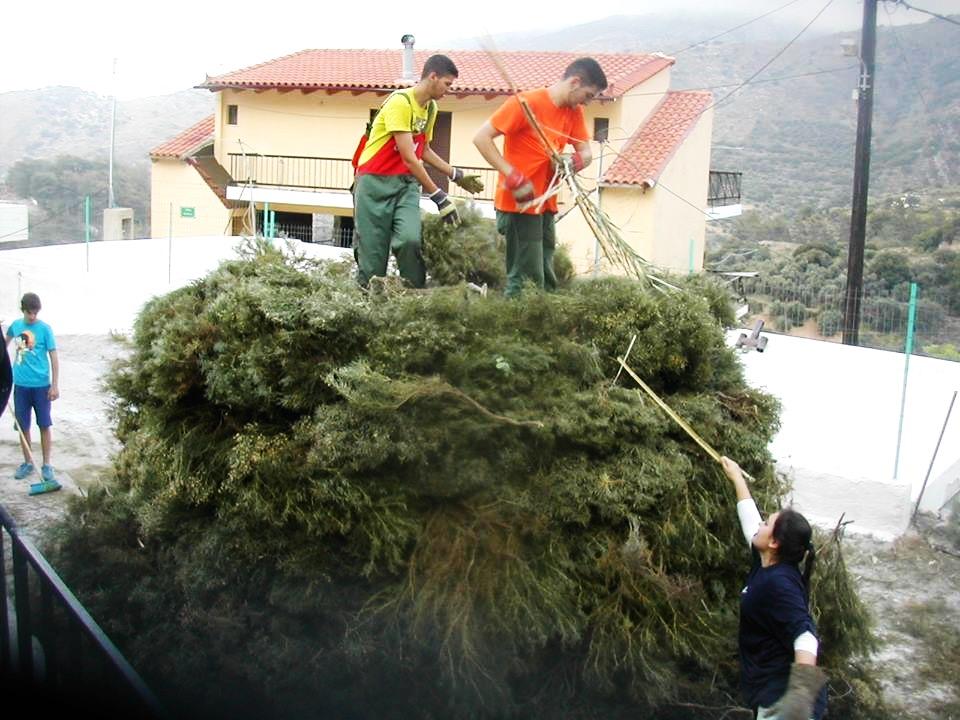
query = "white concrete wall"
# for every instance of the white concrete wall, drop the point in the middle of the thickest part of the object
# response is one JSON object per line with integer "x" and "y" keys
{"x": 101, "y": 287}
{"x": 839, "y": 427}
{"x": 943, "y": 488}
{"x": 14, "y": 222}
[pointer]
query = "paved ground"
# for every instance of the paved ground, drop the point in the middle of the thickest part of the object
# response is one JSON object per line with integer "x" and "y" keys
{"x": 82, "y": 441}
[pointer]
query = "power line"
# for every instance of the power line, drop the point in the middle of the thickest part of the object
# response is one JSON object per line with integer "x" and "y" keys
{"x": 936, "y": 15}
{"x": 755, "y": 82}
{"x": 771, "y": 60}
{"x": 750, "y": 80}
{"x": 742, "y": 25}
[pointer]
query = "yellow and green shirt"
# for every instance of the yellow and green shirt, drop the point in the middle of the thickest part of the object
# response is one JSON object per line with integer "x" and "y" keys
{"x": 397, "y": 114}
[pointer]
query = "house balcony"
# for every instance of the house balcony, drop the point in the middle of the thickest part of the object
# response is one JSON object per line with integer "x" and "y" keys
{"x": 324, "y": 182}
{"x": 723, "y": 195}
{"x": 319, "y": 181}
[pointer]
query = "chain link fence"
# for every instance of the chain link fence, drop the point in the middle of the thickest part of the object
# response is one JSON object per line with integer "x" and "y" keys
{"x": 799, "y": 309}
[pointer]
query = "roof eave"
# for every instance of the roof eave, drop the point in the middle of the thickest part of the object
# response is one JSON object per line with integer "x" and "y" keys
{"x": 378, "y": 89}
{"x": 648, "y": 183}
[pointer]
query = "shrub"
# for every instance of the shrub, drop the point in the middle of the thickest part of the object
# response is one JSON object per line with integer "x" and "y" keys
{"x": 829, "y": 322}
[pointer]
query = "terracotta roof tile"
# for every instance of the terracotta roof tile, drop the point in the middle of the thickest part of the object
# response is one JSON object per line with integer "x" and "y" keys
{"x": 187, "y": 142}
{"x": 382, "y": 70}
{"x": 647, "y": 153}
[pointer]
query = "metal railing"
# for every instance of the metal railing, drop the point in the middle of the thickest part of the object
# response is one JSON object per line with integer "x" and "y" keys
{"x": 293, "y": 171}
{"x": 322, "y": 173}
{"x": 724, "y": 188}
{"x": 296, "y": 231}
{"x": 75, "y": 659}
{"x": 342, "y": 237}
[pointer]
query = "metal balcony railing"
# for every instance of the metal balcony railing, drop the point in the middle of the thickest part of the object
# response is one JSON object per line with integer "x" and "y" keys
{"x": 322, "y": 173}
{"x": 58, "y": 649}
{"x": 724, "y": 188}
{"x": 292, "y": 171}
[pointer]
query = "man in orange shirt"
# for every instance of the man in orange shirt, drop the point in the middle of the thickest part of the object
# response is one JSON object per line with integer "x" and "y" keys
{"x": 525, "y": 166}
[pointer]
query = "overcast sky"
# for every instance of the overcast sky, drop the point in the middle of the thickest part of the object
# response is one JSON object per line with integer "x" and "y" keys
{"x": 163, "y": 47}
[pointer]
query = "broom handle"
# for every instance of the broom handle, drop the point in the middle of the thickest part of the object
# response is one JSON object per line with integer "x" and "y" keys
{"x": 532, "y": 119}
{"x": 676, "y": 418}
{"x": 23, "y": 440}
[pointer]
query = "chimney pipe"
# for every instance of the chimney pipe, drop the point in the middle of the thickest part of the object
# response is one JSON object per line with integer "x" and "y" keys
{"x": 409, "y": 74}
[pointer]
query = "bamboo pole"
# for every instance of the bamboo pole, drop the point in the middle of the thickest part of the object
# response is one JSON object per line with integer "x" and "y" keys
{"x": 707, "y": 448}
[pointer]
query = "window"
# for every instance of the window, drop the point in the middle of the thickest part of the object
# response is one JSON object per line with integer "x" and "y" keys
{"x": 231, "y": 114}
{"x": 601, "y": 129}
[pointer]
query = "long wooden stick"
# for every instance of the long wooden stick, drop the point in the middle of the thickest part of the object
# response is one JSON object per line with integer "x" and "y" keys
{"x": 707, "y": 448}
{"x": 24, "y": 445}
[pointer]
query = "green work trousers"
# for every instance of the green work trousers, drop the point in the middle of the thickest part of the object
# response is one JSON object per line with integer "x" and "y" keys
{"x": 531, "y": 242}
{"x": 386, "y": 210}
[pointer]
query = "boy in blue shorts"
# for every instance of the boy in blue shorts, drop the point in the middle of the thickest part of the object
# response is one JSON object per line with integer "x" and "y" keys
{"x": 36, "y": 370}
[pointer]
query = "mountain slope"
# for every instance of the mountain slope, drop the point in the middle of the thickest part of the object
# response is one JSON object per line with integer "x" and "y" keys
{"x": 44, "y": 123}
{"x": 794, "y": 138}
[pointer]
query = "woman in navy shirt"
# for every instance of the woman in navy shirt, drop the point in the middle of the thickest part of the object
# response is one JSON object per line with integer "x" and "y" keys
{"x": 778, "y": 642}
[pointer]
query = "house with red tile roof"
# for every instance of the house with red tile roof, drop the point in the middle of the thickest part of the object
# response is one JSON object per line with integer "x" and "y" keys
{"x": 284, "y": 131}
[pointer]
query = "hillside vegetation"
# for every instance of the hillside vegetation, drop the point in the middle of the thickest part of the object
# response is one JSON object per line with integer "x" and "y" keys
{"x": 801, "y": 264}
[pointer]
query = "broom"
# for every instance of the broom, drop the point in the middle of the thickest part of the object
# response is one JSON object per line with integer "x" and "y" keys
{"x": 44, "y": 486}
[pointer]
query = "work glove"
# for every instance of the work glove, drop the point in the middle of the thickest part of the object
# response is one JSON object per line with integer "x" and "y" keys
{"x": 569, "y": 162}
{"x": 470, "y": 183}
{"x": 802, "y": 690}
{"x": 518, "y": 184}
{"x": 448, "y": 211}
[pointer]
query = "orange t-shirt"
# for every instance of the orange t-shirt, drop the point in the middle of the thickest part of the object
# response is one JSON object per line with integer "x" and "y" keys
{"x": 524, "y": 150}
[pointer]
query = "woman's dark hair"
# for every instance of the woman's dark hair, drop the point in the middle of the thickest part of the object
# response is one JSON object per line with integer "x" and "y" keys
{"x": 795, "y": 538}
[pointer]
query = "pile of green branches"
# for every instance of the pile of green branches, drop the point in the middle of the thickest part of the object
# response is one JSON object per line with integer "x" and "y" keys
{"x": 432, "y": 504}
{"x": 474, "y": 252}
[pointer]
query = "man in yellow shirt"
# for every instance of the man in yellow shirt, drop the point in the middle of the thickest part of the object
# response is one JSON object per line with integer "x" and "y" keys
{"x": 525, "y": 166}
{"x": 390, "y": 175}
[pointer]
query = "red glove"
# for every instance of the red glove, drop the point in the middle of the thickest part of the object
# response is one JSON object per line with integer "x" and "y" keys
{"x": 518, "y": 184}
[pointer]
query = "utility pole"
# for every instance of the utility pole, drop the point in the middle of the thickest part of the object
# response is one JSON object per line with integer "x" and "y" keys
{"x": 113, "y": 123}
{"x": 861, "y": 175}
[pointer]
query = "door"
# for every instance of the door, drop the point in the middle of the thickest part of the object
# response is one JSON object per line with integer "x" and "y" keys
{"x": 441, "y": 146}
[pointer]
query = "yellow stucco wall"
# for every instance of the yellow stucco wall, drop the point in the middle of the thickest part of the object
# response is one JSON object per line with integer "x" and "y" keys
{"x": 329, "y": 126}
{"x": 322, "y": 125}
{"x": 636, "y": 104}
{"x": 173, "y": 181}
{"x": 628, "y": 209}
{"x": 676, "y": 223}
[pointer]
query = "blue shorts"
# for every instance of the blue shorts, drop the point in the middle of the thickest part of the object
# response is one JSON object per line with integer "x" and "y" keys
{"x": 26, "y": 399}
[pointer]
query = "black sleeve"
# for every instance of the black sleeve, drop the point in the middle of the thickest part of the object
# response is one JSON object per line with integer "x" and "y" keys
{"x": 789, "y": 611}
